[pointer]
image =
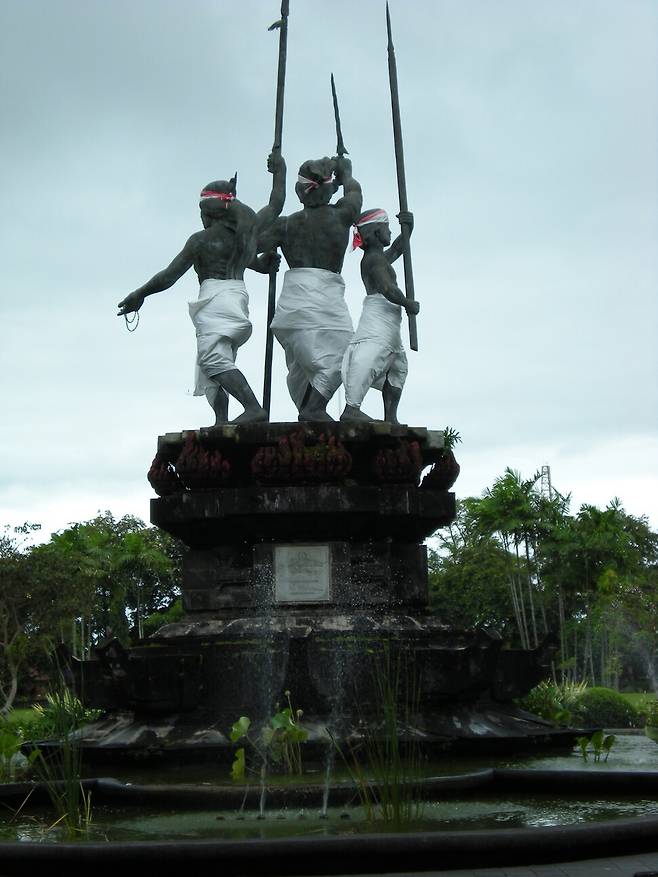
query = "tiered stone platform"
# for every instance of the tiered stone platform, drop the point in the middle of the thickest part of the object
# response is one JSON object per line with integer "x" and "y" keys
{"x": 305, "y": 560}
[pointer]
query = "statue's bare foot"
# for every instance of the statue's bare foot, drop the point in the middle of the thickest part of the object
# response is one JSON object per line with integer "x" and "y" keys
{"x": 308, "y": 415}
{"x": 393, "y": 420}
{"x": 352, "y": 413}
{"x": 252, "y": 415}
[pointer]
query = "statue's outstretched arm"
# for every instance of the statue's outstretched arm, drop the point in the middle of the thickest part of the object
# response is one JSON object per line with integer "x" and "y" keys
{"x": 162, "y": 280}
{"x": 352, "y": 201}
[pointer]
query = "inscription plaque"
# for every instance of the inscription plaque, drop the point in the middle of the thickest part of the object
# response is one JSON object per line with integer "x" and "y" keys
{"x": 302, "y": 573}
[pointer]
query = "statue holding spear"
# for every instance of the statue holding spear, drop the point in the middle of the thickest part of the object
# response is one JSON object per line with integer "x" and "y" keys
{"x": 220, "y": 254}
{"x": 375, "y": 356}
{"x": 311, "y": 320}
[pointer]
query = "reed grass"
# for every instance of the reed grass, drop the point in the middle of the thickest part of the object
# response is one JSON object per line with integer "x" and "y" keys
{"x": 385, "y": 764}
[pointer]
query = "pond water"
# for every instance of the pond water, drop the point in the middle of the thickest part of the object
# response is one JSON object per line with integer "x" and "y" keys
{"x": 486, "y": 813}
{"x": 479, "y": 810}
{"x": 630, "y": 752}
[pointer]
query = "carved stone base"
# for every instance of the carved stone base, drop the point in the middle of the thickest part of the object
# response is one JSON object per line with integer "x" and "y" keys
{"x": 305, "y": 572}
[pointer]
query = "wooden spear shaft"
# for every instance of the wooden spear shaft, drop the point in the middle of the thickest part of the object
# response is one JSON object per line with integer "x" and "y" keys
{"x": 278, "y": 136}
{"x": 402, "y": 180}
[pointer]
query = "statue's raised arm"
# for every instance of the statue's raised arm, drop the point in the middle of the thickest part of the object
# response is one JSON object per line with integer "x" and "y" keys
{"x": 352, "y": 200}
{"x": 276, "y": 165}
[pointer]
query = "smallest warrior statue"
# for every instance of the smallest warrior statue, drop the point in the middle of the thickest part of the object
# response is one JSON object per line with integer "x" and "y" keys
{"x": 375, "y": 356}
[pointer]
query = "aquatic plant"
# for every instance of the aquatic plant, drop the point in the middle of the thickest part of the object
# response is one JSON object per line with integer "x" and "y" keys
{"x": 600, "y": 743}
{"x": 279, "y": 741}
{"x": 58, "y": 765}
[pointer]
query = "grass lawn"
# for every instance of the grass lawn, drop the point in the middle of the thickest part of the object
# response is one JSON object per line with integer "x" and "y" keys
{"x": 639, "y": 700}
{"x": 17, "y": 716}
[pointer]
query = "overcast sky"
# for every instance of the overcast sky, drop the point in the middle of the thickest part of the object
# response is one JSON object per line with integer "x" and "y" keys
{"x": 530, "y": 140}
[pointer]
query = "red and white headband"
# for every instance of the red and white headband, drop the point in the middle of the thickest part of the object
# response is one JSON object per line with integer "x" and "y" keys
{"x": 207, "y": 194}
{"x": 377, "y": 215}
{"x": 313, "y": 184}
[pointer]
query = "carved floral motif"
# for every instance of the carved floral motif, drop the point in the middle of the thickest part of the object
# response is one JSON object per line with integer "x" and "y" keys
{"x": 401, "y": 465}
{"x": 291, "y": 461}
{"x": 443, "y": 473}
{"x": 199, "y": 468}
{"x": 163, "y": 478}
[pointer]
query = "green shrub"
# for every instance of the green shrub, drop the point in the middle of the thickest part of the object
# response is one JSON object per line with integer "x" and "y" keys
{"x": 13, "y": 764}
{"x": 59, "y": 715}
{"x": 554, "y": 703}
{"x": 650, "y": 714}
{"x": 153, "y": 622}
{"x": 605, "y": 708}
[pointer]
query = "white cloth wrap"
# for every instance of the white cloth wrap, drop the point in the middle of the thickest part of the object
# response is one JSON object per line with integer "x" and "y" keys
{"x": 221, "y": 319}
{"x": 375, "y": 353}
{"x": 314, "y": 327}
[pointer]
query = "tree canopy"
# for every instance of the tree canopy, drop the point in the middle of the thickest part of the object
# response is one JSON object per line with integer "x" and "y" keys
{"x": 517, "y": 560}
{"x": 95, "y": 579}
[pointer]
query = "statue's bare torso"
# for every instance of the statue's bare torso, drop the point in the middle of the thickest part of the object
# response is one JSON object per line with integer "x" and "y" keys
{"x": 315, "y": 237}
{"x": 212, "y": 251}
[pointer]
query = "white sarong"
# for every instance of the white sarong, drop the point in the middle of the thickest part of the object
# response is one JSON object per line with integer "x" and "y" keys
{"x": 314, "y": 327}
{"x": 221, "y": 319}
{"x": 375, "y": 354}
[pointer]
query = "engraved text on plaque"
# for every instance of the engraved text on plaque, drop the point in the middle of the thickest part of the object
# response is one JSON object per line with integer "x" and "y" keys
{"x": 302, "y": 573}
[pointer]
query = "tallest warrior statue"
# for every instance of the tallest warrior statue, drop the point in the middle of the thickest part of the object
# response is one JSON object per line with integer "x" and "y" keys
{"x": 311, "y": 321}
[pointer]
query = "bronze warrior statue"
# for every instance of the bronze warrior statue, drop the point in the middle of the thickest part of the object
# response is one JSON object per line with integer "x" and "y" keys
{"x": 220, "y": 254}
{"x": 375, "y": 356}
{"x": 311, "y": 321}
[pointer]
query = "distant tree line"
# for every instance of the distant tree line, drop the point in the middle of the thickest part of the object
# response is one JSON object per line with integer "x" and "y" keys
{"x": 97, "y": 579}
{"x": 515, "y": 559}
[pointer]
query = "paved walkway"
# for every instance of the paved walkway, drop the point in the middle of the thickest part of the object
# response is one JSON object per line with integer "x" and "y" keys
{"x": 621, "y": 866}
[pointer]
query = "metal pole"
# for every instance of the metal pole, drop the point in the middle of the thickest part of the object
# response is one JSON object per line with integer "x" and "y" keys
{"x": 278, "y": 135}
{"x": 402, "y": 181}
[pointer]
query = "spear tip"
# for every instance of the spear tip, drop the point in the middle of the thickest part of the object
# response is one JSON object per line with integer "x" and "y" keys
{"x": 388, "y": 27}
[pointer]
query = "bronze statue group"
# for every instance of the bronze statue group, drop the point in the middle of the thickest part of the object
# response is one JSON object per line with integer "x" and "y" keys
{"x": 311, "y": 320}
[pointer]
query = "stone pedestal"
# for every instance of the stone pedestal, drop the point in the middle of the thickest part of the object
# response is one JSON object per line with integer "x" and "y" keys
{"x": 306, "y": 561}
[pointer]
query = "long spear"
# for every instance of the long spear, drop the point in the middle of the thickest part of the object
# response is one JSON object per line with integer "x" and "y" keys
{"x": 402, "y": 180}
{"x": 278, "y": 135}
{"x": 340, "y": 146}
